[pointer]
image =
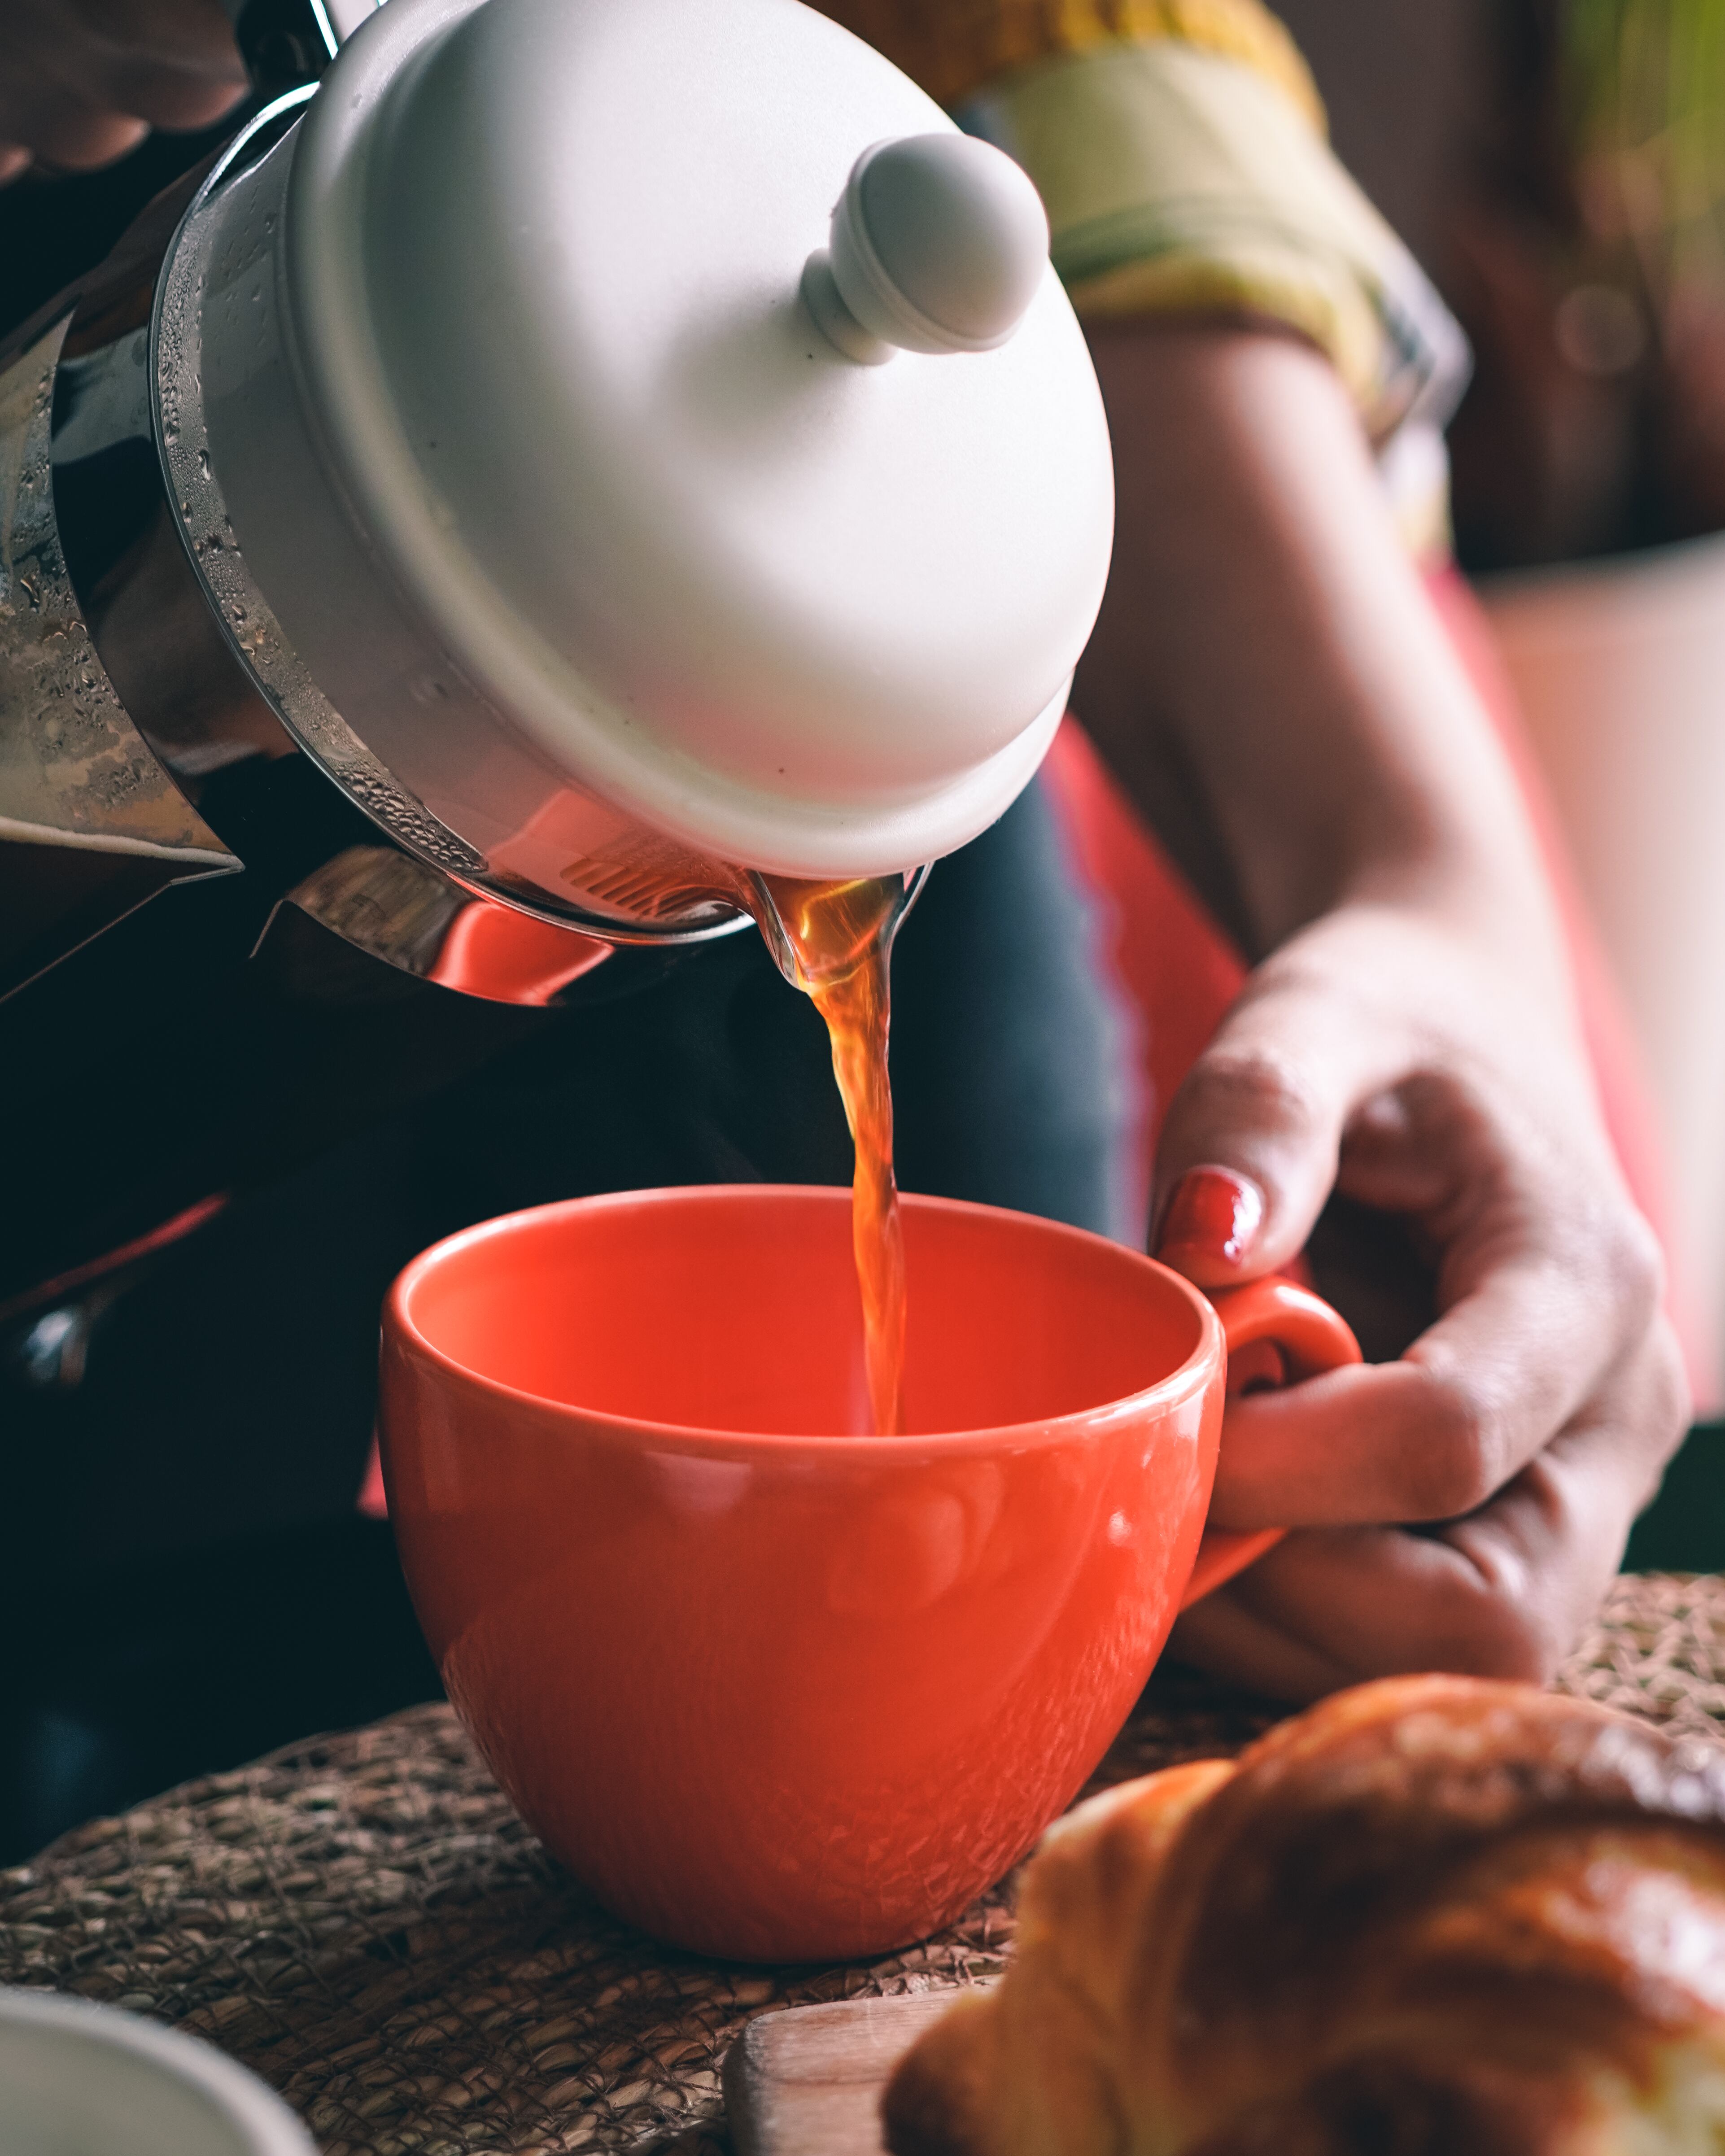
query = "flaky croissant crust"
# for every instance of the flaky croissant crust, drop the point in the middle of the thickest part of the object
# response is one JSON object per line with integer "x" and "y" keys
{"x": 1431, "y": 1917}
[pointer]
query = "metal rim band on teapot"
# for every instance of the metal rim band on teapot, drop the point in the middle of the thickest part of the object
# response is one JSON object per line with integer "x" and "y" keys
{"x": 254, "y": 635}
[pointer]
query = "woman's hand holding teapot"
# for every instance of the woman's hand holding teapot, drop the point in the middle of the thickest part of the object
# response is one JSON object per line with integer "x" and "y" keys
{"x": 84, "y": 81}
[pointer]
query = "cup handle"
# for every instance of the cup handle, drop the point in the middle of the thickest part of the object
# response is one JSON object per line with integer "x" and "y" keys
{"x": 1313, "y": 1337}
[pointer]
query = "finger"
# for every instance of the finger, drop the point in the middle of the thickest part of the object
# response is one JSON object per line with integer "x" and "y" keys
{"x": 1541, "y": 1317}
{"x": 1235, "y": 1636}
{"x": 167, "y": 97}
{"x": 174, "y": 64}
{"x": 1504, "y": 1592}
{"x": 1584, "y": 1491}
{"x": 64, "y": 130}
{"x": 192, "y": 35}
{"x": 1333, "y": 1606}
{"x": 15, "y": 161}
{"x": 1250, "y": 1147}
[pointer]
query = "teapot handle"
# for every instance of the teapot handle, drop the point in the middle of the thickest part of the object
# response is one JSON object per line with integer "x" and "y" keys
{"x": 286, "y": 43}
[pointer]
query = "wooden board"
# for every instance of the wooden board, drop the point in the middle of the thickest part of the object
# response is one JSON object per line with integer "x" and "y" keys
{"x": 806, "y": 2082}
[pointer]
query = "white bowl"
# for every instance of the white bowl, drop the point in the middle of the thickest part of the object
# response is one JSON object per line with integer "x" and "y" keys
{"x": 81, "y": 2080}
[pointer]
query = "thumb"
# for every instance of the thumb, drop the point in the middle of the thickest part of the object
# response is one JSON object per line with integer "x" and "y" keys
{"x": 1249, "y": 1148}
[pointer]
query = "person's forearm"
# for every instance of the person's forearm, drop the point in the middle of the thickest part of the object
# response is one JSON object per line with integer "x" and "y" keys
{"x": 1268, "y": 677}
{"x": 1272, "y": 684}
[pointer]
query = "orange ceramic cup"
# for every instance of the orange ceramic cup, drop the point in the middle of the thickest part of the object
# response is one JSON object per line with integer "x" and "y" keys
{"x": 773, "y": 1689}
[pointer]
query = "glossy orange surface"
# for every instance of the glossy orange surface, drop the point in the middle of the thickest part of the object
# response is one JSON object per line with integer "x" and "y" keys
{"x": 777, "y": 1689}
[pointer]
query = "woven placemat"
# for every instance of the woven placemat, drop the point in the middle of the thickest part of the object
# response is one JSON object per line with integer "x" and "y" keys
{"x": 363, "y": 1922}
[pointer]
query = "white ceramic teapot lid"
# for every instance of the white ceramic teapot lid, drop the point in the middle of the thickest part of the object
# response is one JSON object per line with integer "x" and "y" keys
{"x": 811, "y": 608}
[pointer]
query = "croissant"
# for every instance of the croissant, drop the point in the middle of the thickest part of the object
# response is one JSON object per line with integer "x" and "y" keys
{"x": 1431, "y": 1917}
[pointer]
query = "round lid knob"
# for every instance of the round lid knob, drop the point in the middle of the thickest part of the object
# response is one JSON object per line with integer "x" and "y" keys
{"x": 939, "y": 244}
{"x": 543, "y": 263}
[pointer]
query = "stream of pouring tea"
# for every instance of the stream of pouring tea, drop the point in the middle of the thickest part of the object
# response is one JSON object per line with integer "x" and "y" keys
{"x": 841, "y": 941}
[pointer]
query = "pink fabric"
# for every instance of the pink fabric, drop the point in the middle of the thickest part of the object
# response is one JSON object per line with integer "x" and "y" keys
{"x": 1174, "y": 969}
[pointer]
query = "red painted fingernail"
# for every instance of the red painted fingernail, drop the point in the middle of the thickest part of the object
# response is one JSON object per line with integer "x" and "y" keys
{"x": 1213, "y": 1214}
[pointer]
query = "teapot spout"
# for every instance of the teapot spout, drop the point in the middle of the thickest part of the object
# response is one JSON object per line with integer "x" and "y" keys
{"x": 812, "y": 948}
